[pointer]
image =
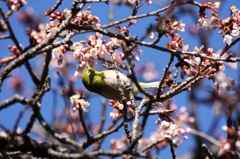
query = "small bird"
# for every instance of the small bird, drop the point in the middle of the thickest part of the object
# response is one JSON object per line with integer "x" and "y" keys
{"x": 105, "y": 83}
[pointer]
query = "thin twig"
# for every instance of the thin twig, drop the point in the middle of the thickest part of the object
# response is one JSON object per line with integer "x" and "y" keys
{"x": 122, "y": 94}
{"x": 101, "y": 125}
{"x": 111, "y": 13}
{"x": 137, "y": 6}
{"x": 18, "y": 121}
{"x": 209, "y": 153}
{"x": 34, "y": 51}
{"x": 12, "y": 35}
{"x": 151, "y": 145}
{"x": 172, "y": 149}
{"x": 32, "y": 73}
{"x": 55, "y": 7}
{"x": 54, "y": 134}
{"x": 227, "y": 47}
{"x": 102, "y": 135}
{"x": 150, "y": 44}
{"x": 43, "y": 86}
{"x": 4, "y": 37}
{"x": 92, "y": 1}
{"x": 206, "y": 137}
{"x": 154, "y": 13}
{"x": 183, "y": 86}
{"x": 111, "y": 130}
{"x": 80, "y": 111}
{"x": 12, "y": 100}
{"x": 164, "y": 76}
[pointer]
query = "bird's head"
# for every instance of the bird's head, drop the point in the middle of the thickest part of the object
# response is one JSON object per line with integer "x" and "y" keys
{"x": 92, "y": 79}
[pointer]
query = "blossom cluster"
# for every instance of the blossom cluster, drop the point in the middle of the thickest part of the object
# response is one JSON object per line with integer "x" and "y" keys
{"x": 79, "y": 103}
{"x": 166, "y": 131}
{"x": 15, "y": 4}
{"x": 119, "y": 144}
{"x": 148, "y": 2}
{"x": 170, "y": 28}
{"x": 229, "y": 26}
{"x": 125, "y": 31}
{"x": 14, "y": 50}
{"x": 82, "y": 18}
{"x": 228, "y": 143}
{"x": 96, "y": 48}
{"x": 57, "y": 53}
{"x": 36, "y": 37}
{"x": 183, "y": 116}
{"x": 171, "y": 131}
{"x": 118, "y": 107}
{"x": 191, "y": 65}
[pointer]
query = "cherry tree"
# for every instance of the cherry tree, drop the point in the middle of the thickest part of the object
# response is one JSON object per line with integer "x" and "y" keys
{"x": 47, "y": 68}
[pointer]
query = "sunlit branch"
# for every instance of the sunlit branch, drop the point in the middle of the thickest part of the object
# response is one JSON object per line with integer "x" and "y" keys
{"x": 14, "y": 99}
{"x": 54, "y": 8}
{"x": 84, "y": 125}
{"x": 102, "y": 122}
{"x": 152, "y": 145}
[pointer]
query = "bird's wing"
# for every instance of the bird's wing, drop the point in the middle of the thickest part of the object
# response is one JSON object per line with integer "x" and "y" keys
{"x": 110, "y": 89}
{"x": 149, "y": 85}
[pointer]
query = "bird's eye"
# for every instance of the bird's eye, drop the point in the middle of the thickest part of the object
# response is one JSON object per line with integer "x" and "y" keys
{"x": 88, "y": 72}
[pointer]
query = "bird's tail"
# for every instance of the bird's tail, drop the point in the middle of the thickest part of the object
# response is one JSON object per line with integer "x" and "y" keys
{"x": 149, "y": 85}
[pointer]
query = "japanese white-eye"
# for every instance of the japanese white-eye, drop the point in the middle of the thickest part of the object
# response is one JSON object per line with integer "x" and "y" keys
{"x": 105, "y": 83}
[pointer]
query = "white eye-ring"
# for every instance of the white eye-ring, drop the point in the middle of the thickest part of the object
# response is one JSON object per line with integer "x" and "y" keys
{"x": 88, "y": 72}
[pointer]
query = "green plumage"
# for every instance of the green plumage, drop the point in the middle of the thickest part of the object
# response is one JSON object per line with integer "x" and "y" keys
{"x": 105, "y": 83}
{"x": 92, "y": 80}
